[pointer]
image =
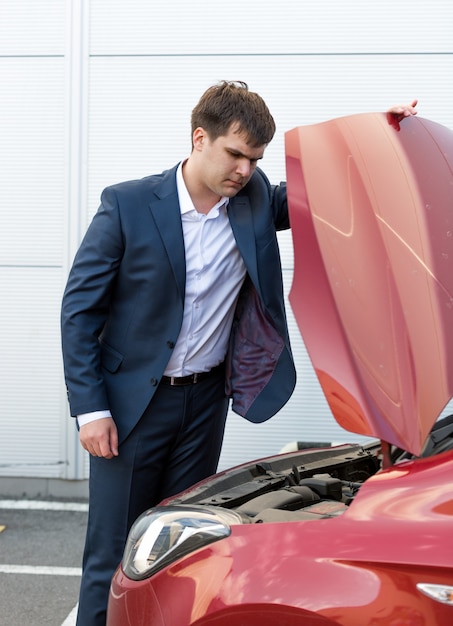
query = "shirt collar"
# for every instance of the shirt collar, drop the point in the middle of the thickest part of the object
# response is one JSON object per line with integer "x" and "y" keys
{"x": 185, "y": 201}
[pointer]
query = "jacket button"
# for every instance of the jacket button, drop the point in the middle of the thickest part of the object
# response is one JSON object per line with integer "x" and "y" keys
{"x": 171, "y": 344}
{"x": 154, "y": 381}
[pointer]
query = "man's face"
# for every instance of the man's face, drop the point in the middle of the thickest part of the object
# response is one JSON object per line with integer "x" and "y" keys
{"x": 227, "y": 163}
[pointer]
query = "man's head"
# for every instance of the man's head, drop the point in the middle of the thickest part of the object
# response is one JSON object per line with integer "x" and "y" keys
{"x": 231, "y": 128}
{"x": 231, "y": 103}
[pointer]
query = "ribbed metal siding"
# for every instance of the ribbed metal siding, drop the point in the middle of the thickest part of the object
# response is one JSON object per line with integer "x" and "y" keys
{"x": 148, "y": 63}
{"x": 310, "y": 61}
{"x": 32, "y": 195}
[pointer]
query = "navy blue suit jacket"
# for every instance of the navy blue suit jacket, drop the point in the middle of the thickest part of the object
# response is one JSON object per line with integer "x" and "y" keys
{"x": 123, "y": 304}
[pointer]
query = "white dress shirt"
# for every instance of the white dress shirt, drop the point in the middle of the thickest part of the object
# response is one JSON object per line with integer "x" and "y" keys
{"x": 215, "y": 272}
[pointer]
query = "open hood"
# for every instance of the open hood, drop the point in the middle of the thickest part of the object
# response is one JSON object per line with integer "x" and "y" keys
{"x": 371, "y": 212}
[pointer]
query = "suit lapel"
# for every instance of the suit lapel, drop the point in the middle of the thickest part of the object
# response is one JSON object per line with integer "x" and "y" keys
{"x": 241, "y": 220}
{"x": 166, "y": 212}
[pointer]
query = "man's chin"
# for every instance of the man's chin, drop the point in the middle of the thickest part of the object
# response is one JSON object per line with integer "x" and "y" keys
{"x": 231, "y": 189}
{"x": 230, "y": 193}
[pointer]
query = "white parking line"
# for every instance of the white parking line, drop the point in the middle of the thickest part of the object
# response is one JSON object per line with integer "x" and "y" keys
{"x": 40, "y": 570}
{"x": 46, "y": 571}
{"x": 42, "y": 505}
{"x": 71, "y": 619}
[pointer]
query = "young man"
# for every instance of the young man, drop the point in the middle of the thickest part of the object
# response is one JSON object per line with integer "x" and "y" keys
{"x": 175, "y": 271}
{"x": 173, "y": 305}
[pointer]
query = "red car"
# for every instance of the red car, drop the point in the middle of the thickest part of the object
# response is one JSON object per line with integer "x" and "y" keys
{"x": 357, "y": 535}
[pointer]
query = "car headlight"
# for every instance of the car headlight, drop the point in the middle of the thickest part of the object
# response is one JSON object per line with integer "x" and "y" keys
{"x": 163, "y": 534}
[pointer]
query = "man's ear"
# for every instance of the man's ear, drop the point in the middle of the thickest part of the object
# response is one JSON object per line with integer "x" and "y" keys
{"x": 198, "y": 138}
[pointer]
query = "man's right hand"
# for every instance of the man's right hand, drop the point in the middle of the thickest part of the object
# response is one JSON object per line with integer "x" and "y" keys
{"x": 100, "y": 437}
{"x": 398, "y": 112}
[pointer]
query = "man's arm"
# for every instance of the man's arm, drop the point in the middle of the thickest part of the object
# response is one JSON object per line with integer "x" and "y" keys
{"x": 85, "y": 308}
{"x": 84, "y": 312}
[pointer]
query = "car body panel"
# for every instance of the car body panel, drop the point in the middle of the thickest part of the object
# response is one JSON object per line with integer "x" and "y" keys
{"x": 372, "y": 220}
{"x": 372, "y": 223}
{"x": 359, "y": 568}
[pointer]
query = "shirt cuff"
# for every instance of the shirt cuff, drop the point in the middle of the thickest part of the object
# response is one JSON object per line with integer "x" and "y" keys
{"x": 86, "y": 418}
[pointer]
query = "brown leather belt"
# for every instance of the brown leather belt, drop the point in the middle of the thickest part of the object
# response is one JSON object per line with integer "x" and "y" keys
{"x": 190, "y": 379}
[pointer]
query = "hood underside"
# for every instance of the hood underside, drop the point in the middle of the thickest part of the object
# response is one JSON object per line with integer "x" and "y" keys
{"x": 371, "y": 212}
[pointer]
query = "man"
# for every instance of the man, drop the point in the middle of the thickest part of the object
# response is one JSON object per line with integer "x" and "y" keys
{"x": 168, "y": 266}
{"x": 173, "y": 305}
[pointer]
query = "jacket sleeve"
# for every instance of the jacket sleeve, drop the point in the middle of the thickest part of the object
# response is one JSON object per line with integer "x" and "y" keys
{"x": 278, "y": 202}
{"x": 85, "y": 307}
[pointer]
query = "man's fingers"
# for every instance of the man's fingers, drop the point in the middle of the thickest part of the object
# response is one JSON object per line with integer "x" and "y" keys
{"x": 398, "y": 112}
{"x": 108, "y": 446}
{"x": 114, "y": 441}
{"x": 100, "y": 438}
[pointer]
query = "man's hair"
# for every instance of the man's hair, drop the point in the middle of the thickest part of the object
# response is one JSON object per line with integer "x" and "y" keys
{"x": 231, "y": 102}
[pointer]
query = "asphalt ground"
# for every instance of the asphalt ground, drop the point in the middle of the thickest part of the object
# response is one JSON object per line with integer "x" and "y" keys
{"x": 41, "y": 546}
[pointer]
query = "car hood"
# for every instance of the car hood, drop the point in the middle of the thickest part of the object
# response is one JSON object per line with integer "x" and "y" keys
{"x": 371, "y": 209}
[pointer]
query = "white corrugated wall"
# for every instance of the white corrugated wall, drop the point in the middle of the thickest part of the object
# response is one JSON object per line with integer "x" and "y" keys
{"x": 92, "y": 93}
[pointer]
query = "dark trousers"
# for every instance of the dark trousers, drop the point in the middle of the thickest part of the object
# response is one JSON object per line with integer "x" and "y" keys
{"x": 176, "y": 443}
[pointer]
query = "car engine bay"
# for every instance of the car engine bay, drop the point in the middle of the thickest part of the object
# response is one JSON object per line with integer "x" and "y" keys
{"x": 304, "y": 485}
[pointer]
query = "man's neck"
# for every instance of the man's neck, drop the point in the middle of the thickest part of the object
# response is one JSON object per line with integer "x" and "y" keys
{"x": 203, "y": 198}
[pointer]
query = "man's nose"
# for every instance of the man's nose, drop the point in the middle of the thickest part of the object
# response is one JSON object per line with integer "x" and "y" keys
{"x": 244, "y": 167}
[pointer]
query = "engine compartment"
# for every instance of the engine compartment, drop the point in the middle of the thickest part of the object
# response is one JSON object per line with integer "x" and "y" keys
{"x": 307, "y": 484}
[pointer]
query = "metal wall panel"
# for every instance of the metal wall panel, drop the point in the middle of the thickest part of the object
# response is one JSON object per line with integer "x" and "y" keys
{"x": 30, "y": 399}
{"x": 32, "y": 27}
{"x": 139, "y": 108}
{"x": 139, "y": 124}
{"x": 32, "y": 196}
{"x": 33, "y": 419}
{"x": 265, "y": 27}
{"x": 97, "y": 91}
{"x": 32, "y": 156}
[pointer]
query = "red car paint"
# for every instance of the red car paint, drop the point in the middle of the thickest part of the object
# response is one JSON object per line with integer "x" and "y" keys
{"x": 372, "y": 221}
{"x": 372, "y": 224}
